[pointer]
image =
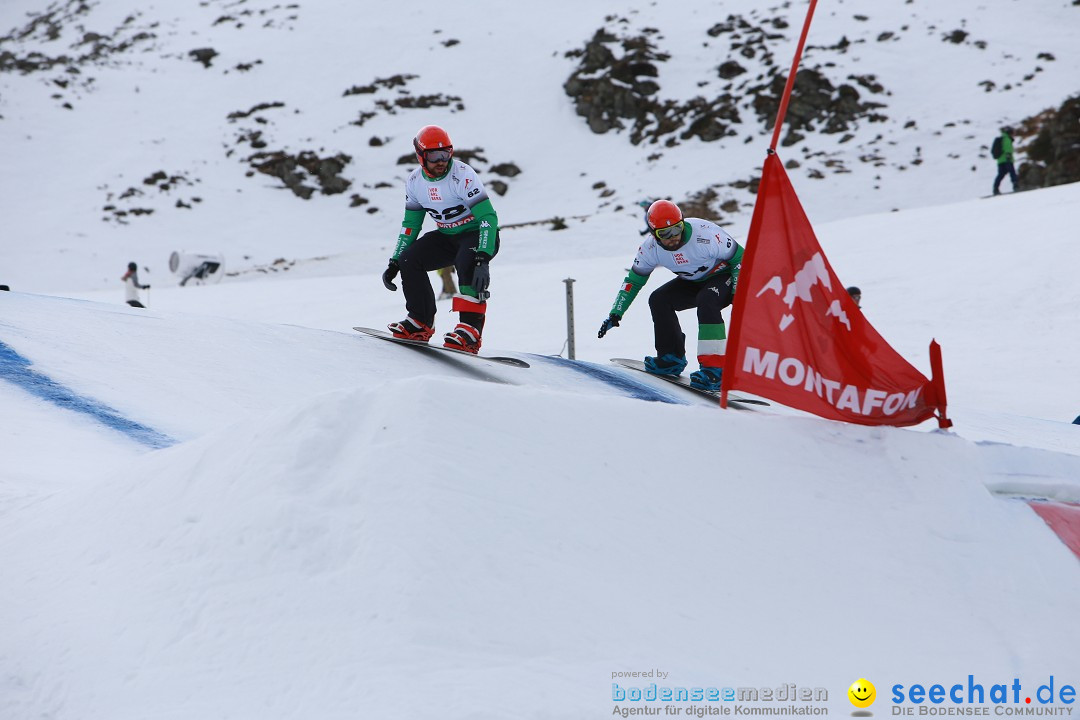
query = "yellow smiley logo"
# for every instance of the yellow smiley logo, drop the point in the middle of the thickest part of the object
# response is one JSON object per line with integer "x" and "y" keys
{"x": 862, "y": 693}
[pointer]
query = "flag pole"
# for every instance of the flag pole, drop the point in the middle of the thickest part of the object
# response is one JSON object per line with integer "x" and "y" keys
{"x": 780, "y": 113}
{"x": 791, "y": 77}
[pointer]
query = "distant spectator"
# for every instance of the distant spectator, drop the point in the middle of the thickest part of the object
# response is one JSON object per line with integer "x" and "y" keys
{"x": 856, "y": 295}
{"x": 132, "y": 286}
{"x": 644, "y": 205}
{"x": 1002, "y": 151}
{"x": 449, "y": 289}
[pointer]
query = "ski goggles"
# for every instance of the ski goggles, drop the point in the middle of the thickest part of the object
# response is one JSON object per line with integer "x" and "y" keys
{"x": 438, "y": 156}
{"x": 670, "y": 232}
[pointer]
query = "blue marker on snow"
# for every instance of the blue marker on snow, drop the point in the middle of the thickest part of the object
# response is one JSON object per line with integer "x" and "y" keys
{"x": 16, "y": 369}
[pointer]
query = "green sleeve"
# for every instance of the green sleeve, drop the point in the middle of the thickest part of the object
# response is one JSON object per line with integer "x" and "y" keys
{"x": 735, "y": 263}
{"x": 631, "y": 287}
{"x": 488, "y": 224}
{"x": 410, "y": 229}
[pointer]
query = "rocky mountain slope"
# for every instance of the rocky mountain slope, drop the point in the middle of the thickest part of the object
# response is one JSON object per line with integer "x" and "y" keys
{"x": 126, "y": 119}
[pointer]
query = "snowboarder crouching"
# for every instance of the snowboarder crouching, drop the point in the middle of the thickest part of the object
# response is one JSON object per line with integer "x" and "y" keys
{"x": 706, "y": 261}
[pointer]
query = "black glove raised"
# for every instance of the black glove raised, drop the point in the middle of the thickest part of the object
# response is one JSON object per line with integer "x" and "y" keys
{"x": 612, "y": 321}
{"x": 389, "y": 274}
{"x": 481, "y": 277}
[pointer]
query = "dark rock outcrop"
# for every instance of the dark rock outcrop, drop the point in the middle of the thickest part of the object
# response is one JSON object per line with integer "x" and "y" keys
{"x": 203, "y": 55}
{"x": 615, "y": 88}
{"x": 815, "y": 102}
{"x": 1054, "y": 153}
{"x": 90, "y": 48}
{"x": 325, "y": 171}
{"x": 614, "y": 91}
{"x": 608, "y": 90}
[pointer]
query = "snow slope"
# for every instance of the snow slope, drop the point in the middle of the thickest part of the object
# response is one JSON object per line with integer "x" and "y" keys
{"x": 320, "y": 543}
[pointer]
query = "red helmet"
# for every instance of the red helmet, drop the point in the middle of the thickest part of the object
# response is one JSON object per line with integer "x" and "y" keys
{"x": 431, "y": 137}
{"x": 664, "y": 213}
{"x": 665, "y": 220}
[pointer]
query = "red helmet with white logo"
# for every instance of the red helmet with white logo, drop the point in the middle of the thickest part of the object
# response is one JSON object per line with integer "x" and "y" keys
{"x": 432, "y": 137}
{"x": 665, "y": 220}
{"x": 664, "y": 213}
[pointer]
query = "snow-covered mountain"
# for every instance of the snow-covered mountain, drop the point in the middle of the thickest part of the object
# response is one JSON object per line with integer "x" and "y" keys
{"x": 133, "y": 129}
{"x": 230, "y": 505}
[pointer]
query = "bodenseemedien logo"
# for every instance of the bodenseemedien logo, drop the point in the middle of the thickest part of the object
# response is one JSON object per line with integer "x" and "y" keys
{"x": 701, "y": 700}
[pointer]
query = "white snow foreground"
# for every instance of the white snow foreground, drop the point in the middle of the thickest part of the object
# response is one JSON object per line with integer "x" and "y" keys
{"x": 378, "y": 535}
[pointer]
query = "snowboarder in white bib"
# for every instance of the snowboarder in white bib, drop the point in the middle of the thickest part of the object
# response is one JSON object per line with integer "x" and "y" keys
{"x": 466, "y": 236}
{"x": 707, "y": 261}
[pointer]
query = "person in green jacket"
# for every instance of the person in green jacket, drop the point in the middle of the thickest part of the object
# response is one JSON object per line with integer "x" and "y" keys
{"x": 1002, "y": 151}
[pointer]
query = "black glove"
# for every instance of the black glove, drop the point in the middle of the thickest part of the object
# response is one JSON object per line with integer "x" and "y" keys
{"x": 389, "y": 274}
{"x": 481, "y": 277}
{"x": 611, "y": 322}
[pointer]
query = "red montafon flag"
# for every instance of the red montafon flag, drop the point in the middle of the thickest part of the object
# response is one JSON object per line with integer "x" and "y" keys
{"x": 798, "y": 338}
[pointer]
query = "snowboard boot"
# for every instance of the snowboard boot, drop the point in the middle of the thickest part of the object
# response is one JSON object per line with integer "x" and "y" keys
{"x": 409, "y": 329}
{"x": 669, "y": 364}
{"x": 707, "y": 379}
{"x": 464, "y": 337}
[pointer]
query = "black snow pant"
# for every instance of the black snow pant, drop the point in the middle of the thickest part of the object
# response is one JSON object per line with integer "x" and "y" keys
{"x": 1005, "y": 168}
{"x": 432, "y": 251}
{"x": 708, "y": 296}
